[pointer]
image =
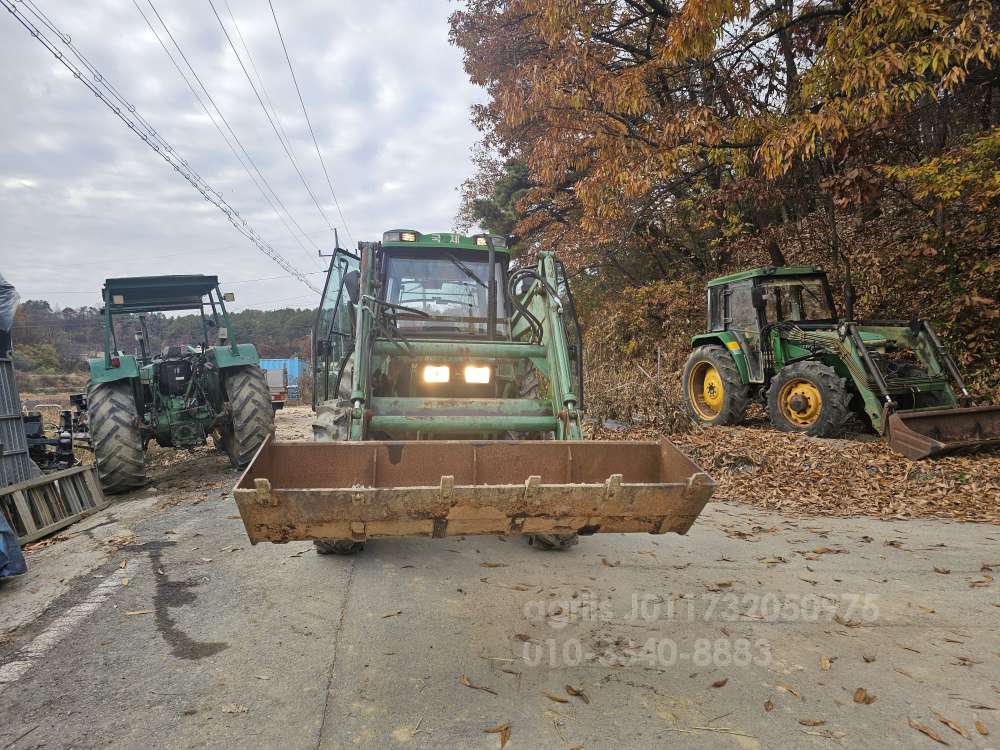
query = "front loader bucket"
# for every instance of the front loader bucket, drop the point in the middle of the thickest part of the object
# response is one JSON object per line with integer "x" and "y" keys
{"x": 324, "y": 490}
{"x": 934, "y": 432}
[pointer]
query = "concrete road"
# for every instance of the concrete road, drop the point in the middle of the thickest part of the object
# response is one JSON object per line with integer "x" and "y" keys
{"x": 753, "y": 631}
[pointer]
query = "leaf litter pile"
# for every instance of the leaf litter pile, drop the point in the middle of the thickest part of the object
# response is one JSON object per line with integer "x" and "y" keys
{"x": 790, "y": 473}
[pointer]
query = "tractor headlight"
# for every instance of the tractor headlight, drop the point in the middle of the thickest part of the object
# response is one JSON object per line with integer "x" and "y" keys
{"x": 474, "y": 374}
{"x": 436, "y": 373}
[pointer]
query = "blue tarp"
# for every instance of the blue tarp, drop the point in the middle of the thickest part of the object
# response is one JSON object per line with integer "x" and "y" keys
{"x": 11, "y": 560}
{"x": 292, "y": 365}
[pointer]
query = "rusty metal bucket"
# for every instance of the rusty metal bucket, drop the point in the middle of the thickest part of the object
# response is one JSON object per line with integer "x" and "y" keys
{"x": 933, "y": 432}
{"x": 331, "y": 490}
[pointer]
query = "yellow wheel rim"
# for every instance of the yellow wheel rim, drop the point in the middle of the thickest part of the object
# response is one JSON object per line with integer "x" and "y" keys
{"x": 706, "y": 391}
{"x": 800, "y": 402}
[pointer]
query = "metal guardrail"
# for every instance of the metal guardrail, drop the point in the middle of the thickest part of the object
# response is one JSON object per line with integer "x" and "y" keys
{"x": 38, "y": 507}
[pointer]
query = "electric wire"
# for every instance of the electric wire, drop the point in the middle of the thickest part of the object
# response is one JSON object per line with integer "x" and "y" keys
{"x": 312, "y": 132}
{"x": 225, "y": 122}
{"x": 152, "y": 139}
{"x": 270, "y": 120}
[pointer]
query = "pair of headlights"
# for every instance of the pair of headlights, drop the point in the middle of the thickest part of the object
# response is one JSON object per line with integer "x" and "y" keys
{"x": 442, "y": 374}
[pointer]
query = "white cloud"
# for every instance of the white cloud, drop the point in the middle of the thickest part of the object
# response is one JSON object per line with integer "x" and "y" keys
{"x": 85, "y": 199}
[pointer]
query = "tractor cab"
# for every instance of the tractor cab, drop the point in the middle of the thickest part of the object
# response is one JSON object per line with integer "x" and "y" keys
{"x": 762, "y": 296}
{"x": 439, "y": 293}
{"x": 746, "y": 304}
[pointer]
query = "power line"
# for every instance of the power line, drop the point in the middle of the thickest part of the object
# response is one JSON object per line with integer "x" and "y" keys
{"x": 147, "y": 258}
{"x": 222, "y": 282}
{"x": 288, "y": 152}
{"x": 267, "y": 96}
{"x": 154, "y": 141}
{"x": 222, "y": 117}
{"x": 298, "y": 91}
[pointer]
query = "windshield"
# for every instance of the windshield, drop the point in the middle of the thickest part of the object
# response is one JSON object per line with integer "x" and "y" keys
{"x": 450, "y": 288}
{"x": 796, "y": 299}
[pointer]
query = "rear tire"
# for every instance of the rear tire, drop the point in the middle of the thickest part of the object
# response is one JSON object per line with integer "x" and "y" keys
{"x": 714, "y": 392}
{"x": 250, "y": 412}
{"x": 337, "y": 546}
{"x": 116, "y": 437}
{"x": 810, "y": 398}
{"x": 553, "y": 541}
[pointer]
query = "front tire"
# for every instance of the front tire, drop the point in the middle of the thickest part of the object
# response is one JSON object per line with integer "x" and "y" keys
{"x": 553, "y": 541}
{"x": 337, "y": 546}
{"x": 250, "y": 413}
{"x": 714, "y": 392}
{"x": 116, "y": 437}
{"x": 810, "y": 398}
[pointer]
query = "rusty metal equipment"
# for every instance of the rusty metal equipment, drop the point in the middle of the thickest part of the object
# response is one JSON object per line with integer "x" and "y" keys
{"x": 356, "y": 491}
{"x": 448, "y": 392}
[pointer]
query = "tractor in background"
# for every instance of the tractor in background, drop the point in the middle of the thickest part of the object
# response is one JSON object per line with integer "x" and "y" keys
{"x": 180, "y": 395}
{"x": 774, "y": 336}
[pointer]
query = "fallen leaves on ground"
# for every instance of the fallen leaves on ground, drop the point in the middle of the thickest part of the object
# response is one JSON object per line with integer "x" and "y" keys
{"x": 788, "y": 689}
{"x": 235, "y": 708}
{"x": 927, "y": 730}
{"x": 577, "y": 693}
{"x": 981, "y": 728}
{"x": 492, "y": 565}
{"x": 720, "y": 683}
{"x": 503, "y": 730}
{"x": 859, "y": 475}
{"x": 139, "y": 612}
{"x": 556, "y": 698}
{"x": 863, "y": 696}
{"x": 464, "y": 680}
{"x": 812, "y": 722}
{"x": 953, "y": 726}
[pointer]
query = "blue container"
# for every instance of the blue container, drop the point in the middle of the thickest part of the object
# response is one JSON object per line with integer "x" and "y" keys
{"x": 293, "y": 365}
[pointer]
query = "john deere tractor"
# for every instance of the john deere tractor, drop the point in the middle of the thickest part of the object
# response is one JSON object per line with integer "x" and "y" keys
{"x": 775, "y": 337}
{"x": 177, "y": 396}
{"x": 448, "y": 394}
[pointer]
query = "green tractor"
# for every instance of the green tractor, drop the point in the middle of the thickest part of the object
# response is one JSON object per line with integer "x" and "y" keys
{"x": 449, "y": 393}
{"x": 774, "y": 336}
{"x": 180, "y": 395}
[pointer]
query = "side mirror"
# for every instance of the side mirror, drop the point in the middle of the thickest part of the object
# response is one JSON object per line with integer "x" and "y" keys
{"x": 757, "y": 297}
{"x": 229, "y": 297}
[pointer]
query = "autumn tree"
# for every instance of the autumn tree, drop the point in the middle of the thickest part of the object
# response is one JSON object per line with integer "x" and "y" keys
{"x": 675, "y": 140}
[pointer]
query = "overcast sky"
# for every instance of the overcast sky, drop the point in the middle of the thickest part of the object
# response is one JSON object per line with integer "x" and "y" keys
{"x": 82, "y": 198}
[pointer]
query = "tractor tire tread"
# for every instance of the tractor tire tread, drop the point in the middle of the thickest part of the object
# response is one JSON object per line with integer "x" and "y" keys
{"x": 115, "y": 436}
{"x": 553, "y": 541}
{"x": 250, "y": 411}
{"x": 737, "y": 392}
{"x": 833, "y": 390}
{"x": 337, "y": 546}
